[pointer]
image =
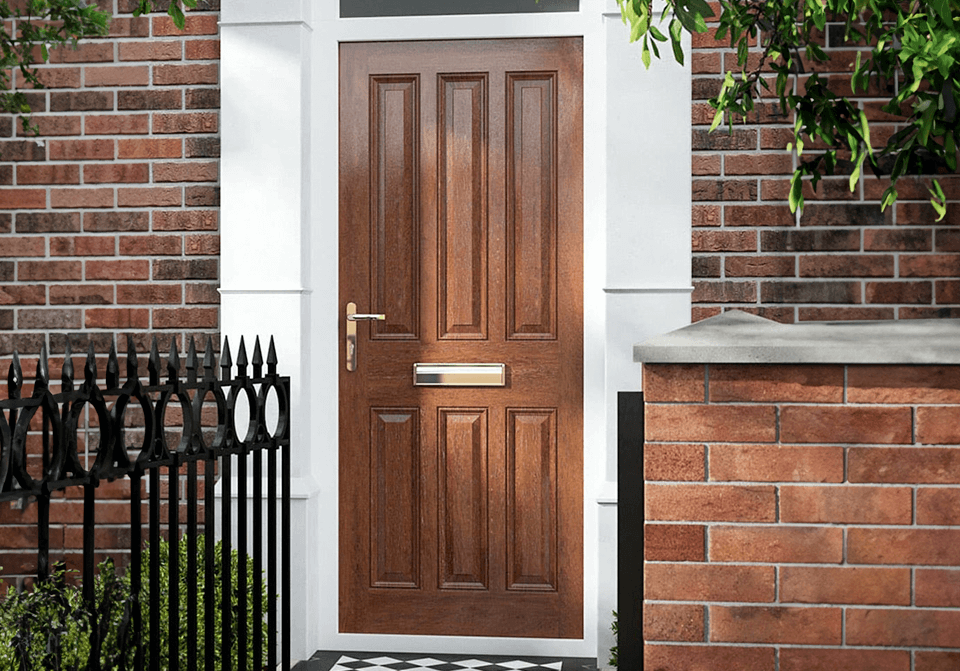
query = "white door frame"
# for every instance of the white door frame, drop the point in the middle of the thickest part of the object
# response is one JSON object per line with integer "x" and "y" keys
{"x": 279, "y": 201}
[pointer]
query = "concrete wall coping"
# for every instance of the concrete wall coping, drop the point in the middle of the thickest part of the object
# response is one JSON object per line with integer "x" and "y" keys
{"x": 739, "y": 337}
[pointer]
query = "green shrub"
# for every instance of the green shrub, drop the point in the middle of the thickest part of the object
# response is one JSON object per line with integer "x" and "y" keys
{"x": 615, "y": 650}
{"x": 48, "y": 627}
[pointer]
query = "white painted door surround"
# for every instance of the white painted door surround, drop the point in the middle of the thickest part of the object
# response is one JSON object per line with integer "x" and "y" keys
{"x": 279, "y": 203}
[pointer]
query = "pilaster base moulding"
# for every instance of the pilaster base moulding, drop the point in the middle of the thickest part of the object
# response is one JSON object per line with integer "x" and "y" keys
{"x": 648, "y": 290}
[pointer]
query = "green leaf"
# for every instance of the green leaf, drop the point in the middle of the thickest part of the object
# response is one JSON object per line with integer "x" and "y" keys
{"x": 179, "y": 20}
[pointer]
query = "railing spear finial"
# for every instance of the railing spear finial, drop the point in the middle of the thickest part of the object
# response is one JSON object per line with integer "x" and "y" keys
{"x": 257, "y": 359}
{"x": 132, "y": 366}
{"x": 43, "y": 368}
{"x": 208, "y": 362}
{"x": 192, "y": 361}
{"x": 242, "y": 359}
{"x": 226, "y": 360}
{"x": 173, "y": 362}
{"x": 113, "y": 366}
{"x": 66, "y": 373}
{"x": 153, "y": 363}
{"x": 90, "y": 367}
{"x": 272, "y": 359}
{"x": 15, "y": 376}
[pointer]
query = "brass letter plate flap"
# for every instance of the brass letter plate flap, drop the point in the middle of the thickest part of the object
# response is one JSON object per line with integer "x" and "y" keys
{"x": 459, "y": 374}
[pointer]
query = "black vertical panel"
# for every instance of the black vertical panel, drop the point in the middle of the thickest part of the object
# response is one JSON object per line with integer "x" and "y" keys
{"x": 366, "y": 8}
{"x": 630, "y": 529}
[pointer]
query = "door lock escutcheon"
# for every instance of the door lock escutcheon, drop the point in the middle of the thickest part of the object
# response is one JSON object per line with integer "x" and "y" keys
{"x": 352, "y": 318}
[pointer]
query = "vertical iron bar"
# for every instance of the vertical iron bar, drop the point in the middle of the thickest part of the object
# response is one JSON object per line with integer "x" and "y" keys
{"x": 43, "y": 536}
{"x": 209, "y": 542}
{"x": 89, "y": 596}
{"x": 136, "y": 559}
{"x": 242, "y": 593}
{"x": 173, "y": 575}
{"x": 155, "y": 567}
{"x": 258, "y": 555}
{"x": 285, "y": 567}
{"x": 226, "y": 577}
{"x": 191, "y": 565}
{"x": 630, "y": 527}
{"x": 272, "y": 557}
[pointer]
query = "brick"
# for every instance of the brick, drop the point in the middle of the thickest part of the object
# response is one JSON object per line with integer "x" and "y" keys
{"x": 49, "y": 270}
{"x": 724, "y": 292}
{"x": 185, "y": 122}
{"x": 705, "y": 266}
{"x": 118, "y": 270}
{"x": 902, "y": 627}
{"x": 938, "y": 506}
{"x": 116, "y": 124}
{"x": 849, "y": 424}
{"x": 776, "y": 463}
{"x": 706, "y": 215}
{"x": 47, "y": 222}
{"x": 202, "y": 147}
{"x": 81, "y": 294}
{"x": 909, "y": 240}
{"x": 846, "y": 505}
{"x": 947, "y": 240}
{"x": 937, "y": 425}
{"x": 147, "y": 294}
{"x": 769, "y": 383}
{"x": 757, "y": 164}
{"x": 672, "y": 622}
{"x": 739, "y": 139}
{"x": 948, "y": 291}
{"x": 23, "y": 199}
{"x": 674, "y": 383}
{"x": 929, "y": 547}
{"x": 929, "y": 265}
{"x": 53, "y": 125}
{"x": 56, "y": 173}
{"x": 48, "y": 319}
{"x": 846, "y": 265}
{"x": 191, "y": 220}
{"x": 776, "y": 544}
{"x": 22, "y": 150}
{"x": 160, "y": 99}
{"x": 673, "y": 461}
{"x": 155, "y": 50}
{"x": 6, "y": 175}
{"x": 16, "y": 247}
{"x": 698, "y": 312}
{"x": 903, "y": 384}
{"x": 772, "y": 624}
{"x": 936, "y": 660}
{"x": 832, "y": 240}
{"x": 186, "y": 172}
{"x": 117, "y": 318}
{"x": 201, "y": 293}
{"x": 844, "y": 214}
{"x": 151, "y": 245}
{"x": 928, "y": 313}
{"x": 702, "y": 164}
{"x": 820, "y": 314}
{"x": 845, "y": 585}
{"x": 80, "y": 101}
{"x": 724, "y": 189}
{"x": 53, "y": 78}
{"x": 807, "y": 659}
{"x": 84, "y": 52}
{"x": 149, "y": 197}
{"x": 6, "y": 319}
{"x": 150, "y": 148}
{"x": 686, "y": 423}
{"x": 192, "y": 269}
{"x": 82, "y": 150}
{"x": 724, "y": 241}
{"x": 83, "y": 197}
{"x": 757, "y": 215}
{"x": 23, "y": 294}
{"x": 194, "y": 73}
{"x": 6, "y": 222}
{"x": 203, "y": 98}
{"x": 922, "y": 465}
{"x": 938, "y": 588}
{"x": 707, "y": 658}
{"x": 709, "y": 582}
{"x": 899, "y": 292}
{"x": 809, "y": 292}
{"x": 115, "y": 221}
{"x": 710, "y": 502}
{"x": 198, "y": 318}
{"x": 759, "y": 266}
{"x": 86, "y": 245}
{"x": 827, "y": 189}
{"x": 673, "y": 542}
{"x": 196, "y": 24}
{"x": 116, "y": 75}
{"x": 116, "y": 173}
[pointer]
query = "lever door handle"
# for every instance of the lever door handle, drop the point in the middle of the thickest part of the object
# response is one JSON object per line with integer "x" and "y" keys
{"x": 352, "y": 318}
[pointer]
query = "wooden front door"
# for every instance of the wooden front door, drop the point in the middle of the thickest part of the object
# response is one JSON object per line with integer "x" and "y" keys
{"x": 461, "y": 221}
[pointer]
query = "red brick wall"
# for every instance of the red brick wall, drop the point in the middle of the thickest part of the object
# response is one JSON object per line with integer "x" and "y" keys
{"x": 802, "y": 517}
{"x": 844, "y": 259}
{"x": 109, "y": 221}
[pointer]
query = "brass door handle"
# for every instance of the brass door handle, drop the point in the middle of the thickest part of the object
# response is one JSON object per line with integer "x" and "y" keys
{"x": 352, "y": 318}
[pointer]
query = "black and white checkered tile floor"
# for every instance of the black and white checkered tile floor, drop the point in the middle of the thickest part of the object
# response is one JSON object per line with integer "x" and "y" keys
{"x": 329, "y": 661}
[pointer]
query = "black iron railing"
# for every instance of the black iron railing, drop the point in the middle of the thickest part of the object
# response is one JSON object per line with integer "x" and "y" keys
{"x": 220, "y": 448}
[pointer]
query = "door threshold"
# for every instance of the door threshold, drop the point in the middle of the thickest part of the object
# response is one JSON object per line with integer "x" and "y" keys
{"x": 327, "y": 660}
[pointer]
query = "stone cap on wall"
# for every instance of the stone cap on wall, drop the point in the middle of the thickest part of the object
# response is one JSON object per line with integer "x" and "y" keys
{"x": 739, "y": 337}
